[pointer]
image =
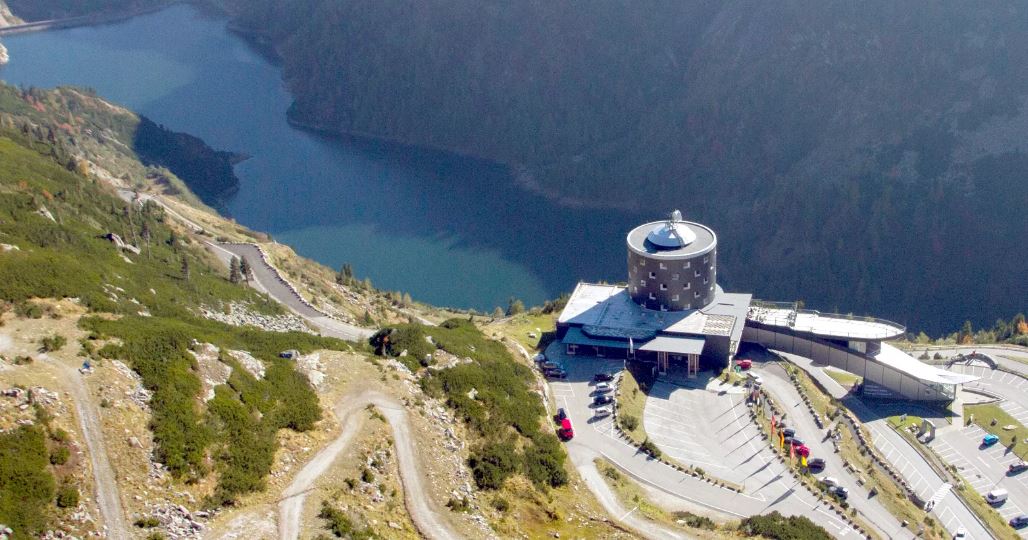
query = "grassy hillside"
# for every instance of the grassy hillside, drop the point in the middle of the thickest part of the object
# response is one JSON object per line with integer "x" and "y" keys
{"x": 145, "y": 310}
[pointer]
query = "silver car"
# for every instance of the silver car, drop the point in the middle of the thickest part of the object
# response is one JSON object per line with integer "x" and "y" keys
{"x": 602, "y": 412}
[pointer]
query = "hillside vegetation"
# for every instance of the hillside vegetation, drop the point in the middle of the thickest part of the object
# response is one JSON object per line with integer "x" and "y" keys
{"x": 145, "y": 309}
{"x": 861, "y": 156}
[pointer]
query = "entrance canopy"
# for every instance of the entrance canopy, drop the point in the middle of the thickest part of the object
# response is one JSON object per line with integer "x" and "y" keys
{"x": 674, "y": 345}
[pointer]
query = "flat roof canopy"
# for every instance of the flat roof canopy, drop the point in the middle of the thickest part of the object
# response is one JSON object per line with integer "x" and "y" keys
{"x": 576, "y": 337}
{"x": 675, "y": 345}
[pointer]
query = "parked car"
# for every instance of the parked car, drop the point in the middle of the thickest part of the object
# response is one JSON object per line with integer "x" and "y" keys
{"x": 556, "y": 373}
{"x": 802, "y": 450}
{"x": 816, "y": 463}
{"x": 1019, "y": 521}
{"x": 603, "y": 388}
{"x": 1015, "y": 468}
{"x": 989, "y": 440}
{"x": 997, "y": 496}
{"x": 539, "y": 358}
{"x": 602, "y": 412}
{"x": 548, "y": 365}
{"x": 829, "y": 481}
{"x": 603, "y": 399}
{"x": 789, "y": 432}
{"x": 961, "y": 533}
{"x": 795, "y": 441}
{"x": 603, "y": 377}
{"x": 753, "y": 379}
{"x": 744, "y": 363}
{"x": 839, "y": 492}
{"x": 561, "y": 414}
{"x": 566, "y": 432}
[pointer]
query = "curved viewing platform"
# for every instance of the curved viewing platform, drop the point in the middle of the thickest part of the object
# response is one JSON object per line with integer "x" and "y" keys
{"x": 827, "y": 325}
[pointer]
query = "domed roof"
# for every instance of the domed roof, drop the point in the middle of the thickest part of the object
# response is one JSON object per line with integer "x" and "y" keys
{"x": 671, "y": 234}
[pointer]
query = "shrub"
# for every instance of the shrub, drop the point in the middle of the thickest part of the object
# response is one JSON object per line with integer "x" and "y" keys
{"x": 695, "y": 521}
{"x": 59, "y": 435}
{"x": 367, "y": 476}
{"x": 341, "y": 525}
{"x": 53, "y": 343}
{"x": 501, "y": 504}
{"x": 68, "y": 496}
{"x": 60, "y": 455}
{"x": 458, "y": 505}
{"x": 28, "y": 310}
{"x": 629, "y": 422}
{"x": 650, "y": 448}
{"x": 779, "y": 527}
{"x": 156, "y": 536}
{"x": 147, "y": 522}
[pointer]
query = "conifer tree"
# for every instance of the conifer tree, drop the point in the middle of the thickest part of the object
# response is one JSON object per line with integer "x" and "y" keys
{"x": 234, "y": 275}
{"x": 244, "y": 268}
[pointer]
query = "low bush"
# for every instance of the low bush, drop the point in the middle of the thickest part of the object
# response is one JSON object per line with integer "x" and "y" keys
{"x": 26, "y": 484}
{"x": 695, "y": 521}
{"x": 147, "y": 522}
{"x": 779, "y": 527}
{"x": 68, "y": 496}
{"x": 52, "y": 343}
{"x": 341, "y": 525}
{"x": 629, "y": 422}
{"x": 501, "y": 504}
{"x": 60, "y": 455}
{"x": 650, "y": 448}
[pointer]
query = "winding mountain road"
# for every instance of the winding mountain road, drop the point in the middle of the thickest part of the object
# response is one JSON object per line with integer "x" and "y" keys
{"x": 429, "y": 522}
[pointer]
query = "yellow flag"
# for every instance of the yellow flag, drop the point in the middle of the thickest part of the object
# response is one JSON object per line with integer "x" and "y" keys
{"x": 803, "y": 460}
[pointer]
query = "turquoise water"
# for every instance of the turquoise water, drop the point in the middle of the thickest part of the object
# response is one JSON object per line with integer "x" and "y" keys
{"x": 448, "y": 229}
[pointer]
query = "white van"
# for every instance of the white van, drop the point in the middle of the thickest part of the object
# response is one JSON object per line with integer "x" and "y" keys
{"x": 996, "y": 496}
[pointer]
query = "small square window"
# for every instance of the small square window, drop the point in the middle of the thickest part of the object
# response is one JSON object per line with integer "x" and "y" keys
{"x": 696, "y": 274}
{"x": 706, "y": 281}
{"x": 706, "y": 259}
{"x": 663, "y": 286}
{"x": 653, "y": 275}
{"x": 687, "y": 265}
{"x": 653, "y": 296}
{"x": 674, "y": 277}
{"x": 696, "y": 294}
{"x": 663, "y": 266}
{"x": 642, "y": 282}
{"x": 674, "y": 298}
{"x": 688, "y": 306}
{"x": 688, "y": 286}
{"x": 663, "y": 307}
{"x": 642, "y": 262}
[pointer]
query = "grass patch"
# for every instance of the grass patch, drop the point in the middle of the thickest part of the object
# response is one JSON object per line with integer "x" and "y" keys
{"x": 631, "y": 401}
{"x": 844, "y": 378}
{"x": 993, "y": 418}
{"x": 519, "y": 327}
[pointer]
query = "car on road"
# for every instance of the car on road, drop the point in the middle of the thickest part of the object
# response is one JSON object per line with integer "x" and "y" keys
{"x": 961, "y": 533}
{"x": 1015, "y": 468}
{"x": 566, "y": 432}
{"x": 829, "y": 481}
{"x": 603, "y": 388}
{"x": 603, "y": 377}
{"x": 745, "y": 363}
{"x": 602, "y": 412}
{"x": 989, "y": 440}
{"x": 603, "y": 399}
{"x": 816, "y": 463}
{"x": 997, "y": 496}
{"x": 556, "y": 373}
{"x": 1019, "y": 521}
{"x": 561, "y": 414}
{"x": 839, "y": 492}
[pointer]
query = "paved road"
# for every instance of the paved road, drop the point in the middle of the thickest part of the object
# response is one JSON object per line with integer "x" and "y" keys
{"x": 777, "y": 383}
{"x": 950, "y": 510}
{"x": 266, "y": 278}
{"x": 429, "y": 522}
{"x": 774, "y": 488}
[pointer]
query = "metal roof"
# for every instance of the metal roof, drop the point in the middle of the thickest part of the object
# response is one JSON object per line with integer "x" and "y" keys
{"x": 575, "y": 336}
{"x": 903, "y": 362}
{"x": 675, "y": 345}
{"x": 658, "y": 240}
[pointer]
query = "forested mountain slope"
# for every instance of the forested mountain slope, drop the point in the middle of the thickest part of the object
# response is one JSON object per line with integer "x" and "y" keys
{"x": 866, "y": 156}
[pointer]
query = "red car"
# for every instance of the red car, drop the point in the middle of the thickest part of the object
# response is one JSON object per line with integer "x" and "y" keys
{"x": 566, "y": 432}
{"x": 745, "y": 363}
{"x": 803, "y": 451}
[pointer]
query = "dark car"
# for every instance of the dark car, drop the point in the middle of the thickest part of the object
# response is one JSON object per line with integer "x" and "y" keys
{"x": 789, "y": 432}
{"x": 603, "y": 377}
{"x": 556, "y": 373}
{"x": 839, "y": 492}
{"x": 1017, "y": 467}
{"x": 796, "y": 441}
{"x": 816, "y": 463}
{"x": 561, "y": 415}
{"x": 603, "y": 399}
{"x": 1019, "y": 521}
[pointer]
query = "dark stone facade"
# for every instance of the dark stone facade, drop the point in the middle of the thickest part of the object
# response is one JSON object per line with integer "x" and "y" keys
{"x": 660, "y": 282}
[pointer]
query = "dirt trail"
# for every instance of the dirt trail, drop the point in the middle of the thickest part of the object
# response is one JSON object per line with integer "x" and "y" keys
{"x": 429, "y": 523}
{"x": 107, "y": 496}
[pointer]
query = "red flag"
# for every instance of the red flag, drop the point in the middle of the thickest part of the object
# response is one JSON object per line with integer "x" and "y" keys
{"x": 792, "y": 454}
{"x": 772, "y": 424}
